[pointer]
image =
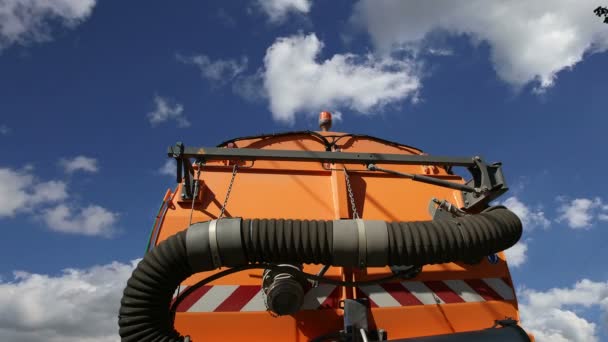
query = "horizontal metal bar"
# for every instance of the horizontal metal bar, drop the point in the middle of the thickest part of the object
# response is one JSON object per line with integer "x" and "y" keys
{"x": 425, "y": 179}
{"x": 214, "y": 153}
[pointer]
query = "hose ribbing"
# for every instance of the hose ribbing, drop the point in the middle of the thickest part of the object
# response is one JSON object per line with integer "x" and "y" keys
{"x": 410, "y": 243}
{"x": 288, "y": 241}
{"x": 460, "y": 239}
{"x": 144, "y": 312}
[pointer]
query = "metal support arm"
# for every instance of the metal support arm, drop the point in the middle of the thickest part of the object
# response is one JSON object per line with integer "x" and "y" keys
{"x": 487, "y": 182}
{"x": 426, "y": 179}
{"x": 215, "y": 153}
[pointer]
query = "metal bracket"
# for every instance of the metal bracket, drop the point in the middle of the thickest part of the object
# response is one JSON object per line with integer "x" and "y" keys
{"x": 443, "y": 210}
{"x": 437, "y": 212}
{"x": 321, "y": 273}
{"x": 177, "y": 152}
{"x": 507, "y": 322}
{"x": 406, "y": 272}
{"x": 356, "y": 322}
{"x": 355, "y": 318}
{"x": 485, "y": 186}
{"x": 489, "y": 180}
{"x": 184, "y": 172}
{"x": 188, "y": 190}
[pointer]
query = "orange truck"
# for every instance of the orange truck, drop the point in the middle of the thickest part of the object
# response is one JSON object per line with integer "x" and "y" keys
{"x": 325, "y": 236}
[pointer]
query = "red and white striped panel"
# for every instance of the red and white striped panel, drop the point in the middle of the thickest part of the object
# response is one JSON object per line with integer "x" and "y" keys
{"x": 232, "y": 298}
{"x": 242, "y": 298}
{"x": 437, "y": 292}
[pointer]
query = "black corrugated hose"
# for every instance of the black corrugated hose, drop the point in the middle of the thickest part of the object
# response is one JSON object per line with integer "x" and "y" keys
{"x": 145, "y": 315}
{"x": 463, "y": 239}
{"x": 144, "y": 312}
{"x": 285, "y": 241}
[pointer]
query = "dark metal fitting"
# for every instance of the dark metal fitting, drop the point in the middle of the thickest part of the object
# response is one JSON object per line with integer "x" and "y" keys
{"x": 284, "y": 294}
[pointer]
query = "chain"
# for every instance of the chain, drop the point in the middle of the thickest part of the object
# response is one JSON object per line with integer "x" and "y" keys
{"x": 351, "y": 196}
{"x": 234, "y": 169}
{"x": 196, "y": 189}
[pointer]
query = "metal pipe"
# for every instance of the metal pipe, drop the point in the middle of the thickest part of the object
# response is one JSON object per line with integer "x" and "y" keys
{"x": 426, "y": 179}
{"x": 214, "y": 153}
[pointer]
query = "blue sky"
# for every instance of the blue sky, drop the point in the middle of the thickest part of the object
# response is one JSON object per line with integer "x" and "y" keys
{"x": 92, "y": 93}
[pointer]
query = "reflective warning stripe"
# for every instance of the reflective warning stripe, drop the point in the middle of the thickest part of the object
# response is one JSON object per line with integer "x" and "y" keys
{"x": 238, "y": 299}
{"x": 422, "y": 292}
{"x": 192, "y": 298}
{"x": 444, "y": 292}
{"x": 250, "y": 298}
{"x": 483, "y": 289}
{"x": 213, "y": 298}
{"x": 463, "y": 290}
{"x": 501, "y": 287}
{"x": 317, "y": 296}
{"x": 379, "y": 296}
{"x": 256, "y": 303}
{"x": 404, "y": 298}
{"x": 435, "y": 292}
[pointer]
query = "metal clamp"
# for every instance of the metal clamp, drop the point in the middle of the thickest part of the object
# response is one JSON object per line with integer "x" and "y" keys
{"x": 362, "y": 262}
{"x": 213, "y": 245}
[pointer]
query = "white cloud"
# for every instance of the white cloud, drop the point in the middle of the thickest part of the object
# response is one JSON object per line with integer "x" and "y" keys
{"x": 76, "y": 305}
{"x": 295, "y": 81}
{"x": 552, "y": 315}
{"x": 530, "y": 218}
{"x": 4, "y": 130}
{"x": 20, "y": 191}
{"x": 554, "y": 325}
{"x": 603, "y": 216}
{"x": 47, "y": 192}
{"x": 92, "y": 220}
{"x": 218, "y": 71}
{"x": 530, "y": 41}
{"x": 439, "y": 52}
{"x": 336, "y": 116}
{"x": 516, "y": 255}
{"x": 221, "y": 72}
{"x": 278, "y": 10}
{"x": 580, "y": 213}
{"x": 168, "y": 168}
{"x": 79, "y": 163}
{"x": 166, "y": 111}
{"x": 23, "y": 21}
{"x": 250, "y": 87}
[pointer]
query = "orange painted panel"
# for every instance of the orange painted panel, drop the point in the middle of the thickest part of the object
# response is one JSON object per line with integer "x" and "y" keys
{"x": 311, "y": 190}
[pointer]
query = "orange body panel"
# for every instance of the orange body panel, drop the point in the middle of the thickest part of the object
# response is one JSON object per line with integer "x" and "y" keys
{"x": 311, "y": 190}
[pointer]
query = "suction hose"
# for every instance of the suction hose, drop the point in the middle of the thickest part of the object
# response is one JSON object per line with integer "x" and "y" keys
{"x": 144, "y": 313}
